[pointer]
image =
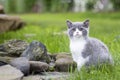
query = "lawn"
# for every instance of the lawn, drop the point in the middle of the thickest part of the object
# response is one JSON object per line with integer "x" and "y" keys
{"x": 50, "y": 29}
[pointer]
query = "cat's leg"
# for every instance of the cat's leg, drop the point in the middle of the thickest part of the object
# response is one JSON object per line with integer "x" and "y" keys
{"x": 81, "y": 62}
{"x": 79, "y": 66}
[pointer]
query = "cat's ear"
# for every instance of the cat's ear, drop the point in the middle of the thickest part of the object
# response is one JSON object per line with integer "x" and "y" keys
{"x": 69, "y": 23}
{"x": 86, "y": 23}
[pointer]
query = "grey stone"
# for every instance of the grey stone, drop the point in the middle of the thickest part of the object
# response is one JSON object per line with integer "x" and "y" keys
{"x": 49, "y": 76}
{"x": 22, "y": 64}
{"x": 2, "y": 48}
{"x": 36, "y": 51}
{"x": 64, "y": 62}
{"x": 2, "y": 63}
{"x": 13, "y": 47}
{"x": 52, "y": 56}
{"x": 33, "y": 77}
{"x": 63, "y": 55}
{"x": 52, "y": 65}
{"x": 8, "y": 23}
{"x": 6, "y": 59}
{"x": 8, "y": 72}
{"x": 37, "y": 66}
{"x": 2, "y": 10}
{"x": 2, "y": 53}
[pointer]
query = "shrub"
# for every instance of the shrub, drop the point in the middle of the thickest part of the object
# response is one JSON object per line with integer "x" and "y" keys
{"x": 58, "y": 5}
{"x": 90, "y": 4}
{"x": 19, "y": 6}
{"x": 116, "y": 4}
{"x": 10, "y": 6}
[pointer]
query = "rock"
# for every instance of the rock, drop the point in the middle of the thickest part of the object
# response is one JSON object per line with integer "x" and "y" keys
{"x": 2, "y": 10}
{"x": 8, "y": 23}
{"x": 63, "y": 55}
{"x": 36, "y": 51}
{"x": 14, "y": 47}
{"x": 2, "y": 48}
{"x": 52, "y": 65}
{"x": 22, "y": 64}
{"x": 3, "y": 53}
{"x": 33, "y": 77}
{"x": 49, "y": 76}
{"x": 2, "y": 63}
{"x": 6, "y": 59}
{"x": 8, "y": 72}
{"x": 52, "y": 56}
{"x": 64, "y": 62}
{"x": 37, "y": 66}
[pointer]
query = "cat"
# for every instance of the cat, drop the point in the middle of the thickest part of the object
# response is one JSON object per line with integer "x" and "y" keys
{"x": 86, "y": 51}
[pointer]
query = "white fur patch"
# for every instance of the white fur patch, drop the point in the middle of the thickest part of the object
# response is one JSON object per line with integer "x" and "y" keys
{"x": 76, "y": 47}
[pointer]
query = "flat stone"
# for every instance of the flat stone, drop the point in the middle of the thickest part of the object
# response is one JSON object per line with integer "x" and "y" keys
{"x": 8, "y": 23}
{"x": 37, "y": 66}
{"x": 63, "y": 55}
{"x": 33, "y": 77}
{"x": 2, "y": 10}
{"x": 64, "y": 62}
{"x": 2, "y": 63}
{"x": 6, "y": 59}
{"x": 3, "y": 53}
{"x": 48, "y": 76}
{"x": 14, "y": 47}
{"x": 8, "y": 72}
{"x": 22, "y": 64}
{"x": 64, "y": 65}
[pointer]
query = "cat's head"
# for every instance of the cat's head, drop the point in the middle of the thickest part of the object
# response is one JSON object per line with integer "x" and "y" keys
{"x": 78, "y": 29}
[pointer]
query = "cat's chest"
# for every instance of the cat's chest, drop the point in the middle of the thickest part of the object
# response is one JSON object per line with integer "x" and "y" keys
{"x": 76, "y": 48}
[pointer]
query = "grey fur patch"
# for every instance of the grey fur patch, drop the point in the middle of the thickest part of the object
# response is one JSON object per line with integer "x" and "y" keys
{"x": 97, "y": 52}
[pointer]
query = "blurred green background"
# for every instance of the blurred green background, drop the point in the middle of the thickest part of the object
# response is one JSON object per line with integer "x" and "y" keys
{"x": 27, "y": 6}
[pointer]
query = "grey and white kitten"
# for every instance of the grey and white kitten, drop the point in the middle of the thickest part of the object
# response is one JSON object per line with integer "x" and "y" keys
{"x": 85, "y": 50}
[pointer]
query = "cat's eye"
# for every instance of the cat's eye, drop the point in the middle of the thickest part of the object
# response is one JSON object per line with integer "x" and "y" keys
{"x": 73, "y": 29}
{"x": 80, "y": 29}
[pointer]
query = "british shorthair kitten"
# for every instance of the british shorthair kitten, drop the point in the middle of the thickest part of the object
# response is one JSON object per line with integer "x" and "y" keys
{"x": 86, "y": 51}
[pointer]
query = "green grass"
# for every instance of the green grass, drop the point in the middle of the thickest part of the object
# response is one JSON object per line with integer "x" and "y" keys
{"x": 48, "y": 28}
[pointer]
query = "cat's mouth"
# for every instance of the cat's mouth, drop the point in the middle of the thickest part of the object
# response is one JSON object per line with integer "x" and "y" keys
{"x": 77, "y": 35}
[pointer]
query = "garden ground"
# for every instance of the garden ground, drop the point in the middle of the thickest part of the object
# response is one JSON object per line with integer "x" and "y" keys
{"x": 50, "y": 29}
